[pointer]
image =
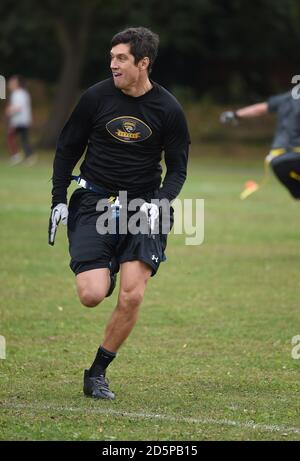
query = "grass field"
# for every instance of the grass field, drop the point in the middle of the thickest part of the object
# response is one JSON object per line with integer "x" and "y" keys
{"x": 210, "y": 357}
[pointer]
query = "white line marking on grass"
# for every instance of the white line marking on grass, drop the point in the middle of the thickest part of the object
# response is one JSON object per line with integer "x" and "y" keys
{"x": 111, "y": 412}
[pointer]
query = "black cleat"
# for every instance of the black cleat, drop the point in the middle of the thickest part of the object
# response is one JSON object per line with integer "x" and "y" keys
{"x": 97, "y": 387}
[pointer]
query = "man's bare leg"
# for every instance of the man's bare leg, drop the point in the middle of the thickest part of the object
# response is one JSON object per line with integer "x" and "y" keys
{"x": 133, "y": 281}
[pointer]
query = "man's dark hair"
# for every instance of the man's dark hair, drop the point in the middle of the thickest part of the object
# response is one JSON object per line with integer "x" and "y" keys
{"x": 142, "y": 41}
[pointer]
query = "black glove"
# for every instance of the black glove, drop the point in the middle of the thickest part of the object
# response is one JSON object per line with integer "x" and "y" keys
{"x": 229, "y": 117}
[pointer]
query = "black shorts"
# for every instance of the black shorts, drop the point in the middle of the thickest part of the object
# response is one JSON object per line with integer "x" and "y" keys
{"x": 287, "y": 169}
{"x": 91, "y": 250}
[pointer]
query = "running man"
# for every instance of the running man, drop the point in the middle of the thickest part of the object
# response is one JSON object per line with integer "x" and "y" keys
{"x": 126, "y": 122}
{"x": 284, "y": 155}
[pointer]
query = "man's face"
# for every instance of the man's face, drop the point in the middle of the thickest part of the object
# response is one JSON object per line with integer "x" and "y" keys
{"x": 125, "y": 72}
{"x": 13, "y": 84}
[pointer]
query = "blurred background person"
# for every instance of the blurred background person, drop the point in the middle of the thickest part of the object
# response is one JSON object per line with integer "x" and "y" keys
{"x": 284, "y": 155}
{"x": 19, "y": 117}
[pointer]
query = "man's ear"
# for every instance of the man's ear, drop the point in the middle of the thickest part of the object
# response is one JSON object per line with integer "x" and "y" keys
{"x": 144, "y": 63}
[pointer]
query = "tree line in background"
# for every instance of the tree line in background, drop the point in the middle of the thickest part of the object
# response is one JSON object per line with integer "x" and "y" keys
{"x": 230, "y": 50}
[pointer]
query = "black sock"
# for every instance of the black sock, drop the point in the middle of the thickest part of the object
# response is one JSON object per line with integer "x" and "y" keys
{"x": 101, "y": 362}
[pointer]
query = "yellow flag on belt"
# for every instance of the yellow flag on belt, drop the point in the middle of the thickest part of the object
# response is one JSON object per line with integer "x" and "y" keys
{"x": 249, "y": 188}
{"x": 252, "y": 186}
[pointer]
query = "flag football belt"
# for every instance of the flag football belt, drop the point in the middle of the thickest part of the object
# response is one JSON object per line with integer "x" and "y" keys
{"x": 281, "y": 150}
{"x": 252, "y": 186}
{"x": 92, "y": 187}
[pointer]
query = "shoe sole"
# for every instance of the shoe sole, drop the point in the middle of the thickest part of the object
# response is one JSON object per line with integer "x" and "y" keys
{"x": 98, "y": 398}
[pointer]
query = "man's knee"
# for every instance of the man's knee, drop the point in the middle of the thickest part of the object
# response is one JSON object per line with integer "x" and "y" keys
{"x": 92, "y": 287}
{"x": 90, "y": 298}
{"x": 131, "y": 299}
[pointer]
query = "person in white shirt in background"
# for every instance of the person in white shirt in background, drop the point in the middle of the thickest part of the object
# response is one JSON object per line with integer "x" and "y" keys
{"x": 19, "y": 116}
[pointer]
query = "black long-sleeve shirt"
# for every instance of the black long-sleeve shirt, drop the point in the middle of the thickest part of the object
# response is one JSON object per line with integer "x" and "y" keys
{"x": 125, "y": 137}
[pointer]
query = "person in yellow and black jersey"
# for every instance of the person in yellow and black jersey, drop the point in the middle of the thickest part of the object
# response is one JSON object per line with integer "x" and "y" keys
{"x": 284, "y": 156}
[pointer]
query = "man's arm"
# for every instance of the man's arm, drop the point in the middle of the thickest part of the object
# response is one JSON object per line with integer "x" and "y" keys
{"x": 16, "y": 104}
{"x": 11, "y": 110}
{"x": 255, "y": 110}
{"x": 71, "y": 146}
{"x": 176, "y": 148}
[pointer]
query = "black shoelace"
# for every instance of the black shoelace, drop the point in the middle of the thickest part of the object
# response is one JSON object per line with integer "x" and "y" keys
{"x": 102, "y": 381}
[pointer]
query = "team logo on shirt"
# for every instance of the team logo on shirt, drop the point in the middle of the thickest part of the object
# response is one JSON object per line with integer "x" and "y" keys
{"x": 128, "y": 129}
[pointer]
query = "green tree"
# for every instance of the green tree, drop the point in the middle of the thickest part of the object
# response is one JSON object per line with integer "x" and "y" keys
{"x": 227, "y": 48}
{"x": 71, "y": 26}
